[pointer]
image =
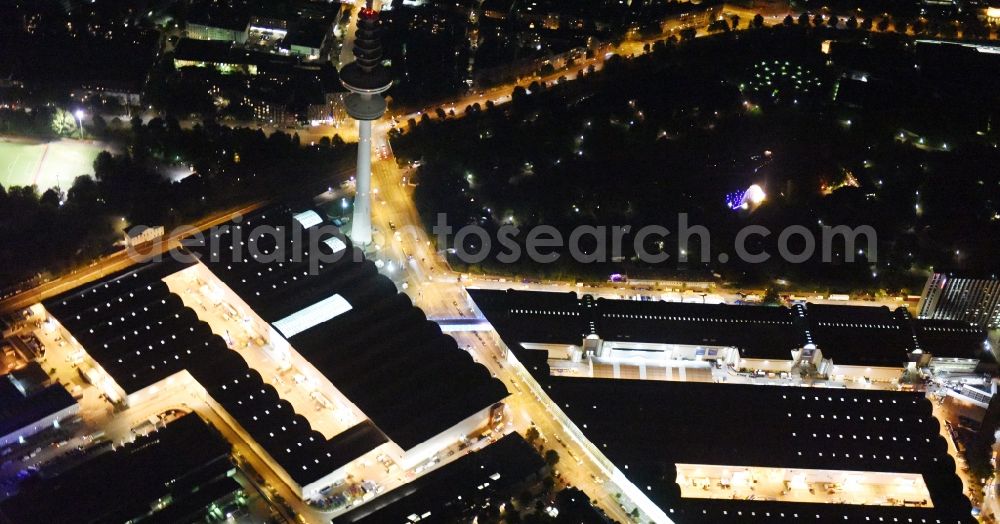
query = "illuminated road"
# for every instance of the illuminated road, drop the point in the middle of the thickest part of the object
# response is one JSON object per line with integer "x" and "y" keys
{"x": 409, "y": 258}
{"x": 114, "y": 262}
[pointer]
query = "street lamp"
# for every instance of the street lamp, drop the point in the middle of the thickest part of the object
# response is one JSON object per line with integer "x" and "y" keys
{"x": 79, "y": 114}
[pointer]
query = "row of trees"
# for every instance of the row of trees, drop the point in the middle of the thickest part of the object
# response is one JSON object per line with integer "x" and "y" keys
{"x": 969, "y": 28}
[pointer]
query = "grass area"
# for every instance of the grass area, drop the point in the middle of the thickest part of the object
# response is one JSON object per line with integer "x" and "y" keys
{"x": 46, "y": 165}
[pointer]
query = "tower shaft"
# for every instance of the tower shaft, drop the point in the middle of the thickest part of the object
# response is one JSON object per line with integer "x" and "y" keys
{"x": 361, "y": 224}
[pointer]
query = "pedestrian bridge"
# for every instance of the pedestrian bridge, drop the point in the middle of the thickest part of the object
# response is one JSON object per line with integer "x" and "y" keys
{"x": 460, "y": 324}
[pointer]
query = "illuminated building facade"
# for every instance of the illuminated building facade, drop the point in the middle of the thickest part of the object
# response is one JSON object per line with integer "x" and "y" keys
{"x": 951, "y": 296}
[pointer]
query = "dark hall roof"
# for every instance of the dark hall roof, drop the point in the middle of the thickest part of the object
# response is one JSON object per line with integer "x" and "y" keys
{"x": 310, "y": 35}
{"x": 533, "y": 316}
{"x": 141, "y": 333}
{"x": 646, "y": 427}
{"x": 447, "y": 491}
{"x": 18, "y": 411}
{"x": 135, "y": 327}
{"x": 951, "y": 339}
{"x": 412, "y": 381}
{"x": 851, "y": 335}
{"x": 219, "y": 18}
{"x": 212, "y": 51}
{"x": 861, "y": 335}
{"x": 121, "y": 485}
{"x": 272, "y": 422}
{"x": 758, "y": 331}
{"x": 29, "y": 378}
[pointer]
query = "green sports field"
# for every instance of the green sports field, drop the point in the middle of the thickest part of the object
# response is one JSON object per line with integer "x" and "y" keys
{"x": 46, "y": 165}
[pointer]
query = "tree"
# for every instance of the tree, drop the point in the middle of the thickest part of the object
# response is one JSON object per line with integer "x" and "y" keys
{"x": 63, "y": 123}
{"x": 440, "y": 113}
{"x": 548, "y": 483}
{"x": 532, "y": 434}
{"x": 771, "y": 297}
{"x": 975, "y": 29}
{"x": 866, "y": 24}
{"x": 883, "y": 24}
{"x": 950, "y": 30}
{"x": 804, "y": 19}
{"x": 788, "y": 21}
{"x": 104, "y": 164}
{"x": 735, "y": 21}
{"x": 84, "y": 192}
{"x": 50, "y": 198}
{"x": 818, "y": 20}
{"x": 833, "y": 21}
{"x": 518, "y": 94}
{"x": 99, "y": 126}
{"x": 718, "y": 26}
{"x": 758, "y": 21}
{"x": 551, "y": 457}
{"x": 852, "y": 23}
{"x": 155, "y": 124}
{"x": 688, "y": 33}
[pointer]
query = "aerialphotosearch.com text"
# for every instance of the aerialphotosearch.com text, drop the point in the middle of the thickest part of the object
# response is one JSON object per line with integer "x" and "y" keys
{"x": 543, "y": 244}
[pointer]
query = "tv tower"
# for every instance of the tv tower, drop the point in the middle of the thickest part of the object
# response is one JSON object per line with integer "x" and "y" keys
{"x": 366, "y": 78}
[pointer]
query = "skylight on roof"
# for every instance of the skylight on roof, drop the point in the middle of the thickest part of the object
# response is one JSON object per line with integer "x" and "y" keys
{"x": 313, "y": 315}
{"x": 308, "y": 219}
{"x": 335, "y": 244}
